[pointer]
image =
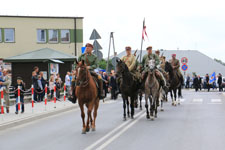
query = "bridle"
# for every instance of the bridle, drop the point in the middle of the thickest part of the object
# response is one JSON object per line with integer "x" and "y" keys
{"x": 82, "y": 83}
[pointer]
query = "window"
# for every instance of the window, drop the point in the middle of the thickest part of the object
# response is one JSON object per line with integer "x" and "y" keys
{"x": 9, "y": 35}
{"x": 65, "y": 36}
{"x": 41, "y": 36}
{"x": 0, "y": 35}
{"x": 53, "y": 36}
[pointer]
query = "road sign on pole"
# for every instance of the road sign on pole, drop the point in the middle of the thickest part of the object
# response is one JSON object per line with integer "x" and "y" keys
{"x": 95, "y": 35}
{"x": 184, "y": 60}
{"x": 184, "y": 67}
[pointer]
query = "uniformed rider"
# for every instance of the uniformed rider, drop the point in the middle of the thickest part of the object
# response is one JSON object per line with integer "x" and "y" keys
{"x": 145, "y": 60}
{"x": 176, "y": 65}
{"x": 91, "y": 62}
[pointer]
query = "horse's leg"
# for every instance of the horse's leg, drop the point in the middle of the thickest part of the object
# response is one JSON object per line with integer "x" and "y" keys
{"x": 95, "y": 113}
{"x": 171, "y": 95}
{"x": 83, "y": 117}
{"x": 175, "y": 97}
{"x": 128, "y": 109}
{"x": 151, "y": 108}
{"x": 124, "y": 108}
{"x": 179, "y": 95}
{"x": 140, "y": 99}
{"x": 132, "y": 99}
{"x": 146, "y": 106}
{"x": 89, "y": 111}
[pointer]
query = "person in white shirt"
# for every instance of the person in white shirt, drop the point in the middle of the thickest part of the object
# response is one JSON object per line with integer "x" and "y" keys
{"x": 67, "y": 82}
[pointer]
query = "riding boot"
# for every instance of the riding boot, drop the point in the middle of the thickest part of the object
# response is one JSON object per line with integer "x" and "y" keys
{"x": 162, "y": 82}
{"x": 100, "y": 89}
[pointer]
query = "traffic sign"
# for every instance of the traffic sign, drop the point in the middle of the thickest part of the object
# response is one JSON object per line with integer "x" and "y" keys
{"x": 95, "y": 35}
{"x": 98, "y": 54}
{"x": 96, "y": 45}
{"x": 184, "y": 67}
{"x": 184, "y": 60}
{"x": 114, "y": 63}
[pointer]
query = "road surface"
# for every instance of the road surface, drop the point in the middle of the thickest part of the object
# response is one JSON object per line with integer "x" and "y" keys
{"x": 197, "y": 124}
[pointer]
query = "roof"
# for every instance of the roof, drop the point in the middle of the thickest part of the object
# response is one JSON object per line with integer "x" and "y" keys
{"x": 61, "y": 17}
{"x": 197, "y": 61}
{"x": 41, "y": 55}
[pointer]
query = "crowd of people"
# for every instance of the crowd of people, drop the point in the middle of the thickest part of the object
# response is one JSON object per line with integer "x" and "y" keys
{"x": 198, "y": 83}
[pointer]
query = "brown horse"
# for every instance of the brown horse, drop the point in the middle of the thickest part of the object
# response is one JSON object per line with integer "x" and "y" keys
{"x": 87, "y": 93}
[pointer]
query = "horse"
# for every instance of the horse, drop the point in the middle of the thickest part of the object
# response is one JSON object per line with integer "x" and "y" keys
{"x": 129, "y": 88}
{"x": 174, "y": 83}
{"x": 87, "y": 94}
{"x": 152, "y": 90}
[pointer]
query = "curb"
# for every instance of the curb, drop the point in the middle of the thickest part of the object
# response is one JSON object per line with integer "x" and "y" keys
{"x": 35, "y": 117}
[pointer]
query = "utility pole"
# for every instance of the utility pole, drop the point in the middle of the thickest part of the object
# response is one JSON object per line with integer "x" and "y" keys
{"x": 111, "y": 40}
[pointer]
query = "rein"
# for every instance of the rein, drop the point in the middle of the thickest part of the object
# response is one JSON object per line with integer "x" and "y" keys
{"x": 86, "y": 82}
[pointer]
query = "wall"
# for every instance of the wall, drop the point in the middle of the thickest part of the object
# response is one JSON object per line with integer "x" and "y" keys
{"x": 26, "y": 34}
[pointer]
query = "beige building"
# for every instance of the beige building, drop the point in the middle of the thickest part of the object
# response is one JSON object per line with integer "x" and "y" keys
{"x": 20, "y": 34}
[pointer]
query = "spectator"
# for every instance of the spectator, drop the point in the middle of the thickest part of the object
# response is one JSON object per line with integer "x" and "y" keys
{"x": 67, "y": 82}
{"x": 6, "y": 84}
{"x": 73, "y": 97}
{"x": 35, "y": 84}
{"x": 40, "y": 89}
{"x": 43, "y": 82}
{"x": 207, "y": 82}
{"x": 51, "y": 86}
{"x": 105, "y": 83}
{"x": 22, "y": 89}
{"x": 195, "y": 83}
{"x": 220, "y": 82}
{"x": 188, "y": 82}
{"x": 58, "y": 88}
{"x": 199, "y": 82}
{"x": 36, "y": 69}
{"x": 113, "y": 86}
{"x": 59, "y": 78}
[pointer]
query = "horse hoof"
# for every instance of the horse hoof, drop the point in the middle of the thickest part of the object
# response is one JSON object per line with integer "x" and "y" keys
{"x": 93, "y": 129}
{"x": 179, "y": 103}
{"x": 152, "y": 118}
{"x": 156, "y": 116}
{"x": 128, "y": 116}
{"x": 87, "y": 129}
{"x": 147, "y": 116}
{"x": 132, "y": 117}
{"x": 83, "y": 132}
{"x": 124, "y": 119}
{"x": 140, "y": 108}
{"x": 172, "y": 104}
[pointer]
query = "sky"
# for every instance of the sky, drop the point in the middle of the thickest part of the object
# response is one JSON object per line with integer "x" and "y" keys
{"x": 170, "y": 24}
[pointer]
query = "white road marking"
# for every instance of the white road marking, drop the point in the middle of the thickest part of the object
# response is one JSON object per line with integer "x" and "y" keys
{"x": 215, "y": 101}
{"x": 112, "y": 132}
{"x": 199, "y": 100}
{"x": 119, "y": 133}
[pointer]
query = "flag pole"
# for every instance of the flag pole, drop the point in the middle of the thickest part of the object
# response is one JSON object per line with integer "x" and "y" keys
{"x": 142, "y": 39}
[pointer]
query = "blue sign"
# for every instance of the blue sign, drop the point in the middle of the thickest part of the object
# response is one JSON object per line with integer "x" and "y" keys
{"x": 184, "y": 67}
{"x": 83, "y": 49}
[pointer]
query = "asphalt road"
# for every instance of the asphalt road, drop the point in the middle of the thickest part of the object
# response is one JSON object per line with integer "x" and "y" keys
{"x": 197, "y": 124}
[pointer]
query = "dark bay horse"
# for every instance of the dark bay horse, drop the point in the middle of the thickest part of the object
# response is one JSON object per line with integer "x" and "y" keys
{"x": 152, "y": 91}
{"x": 87, "y": 94}
{"x": 129, "y": 88}
{"x": 174, "y": 83}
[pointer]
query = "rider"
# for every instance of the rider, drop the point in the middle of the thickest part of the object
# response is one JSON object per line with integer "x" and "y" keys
{"x": 145, "y": 61}
{"x": 130, "y": 61}
{"x": 91, "y": 62}
{"x": 176, "y": 65}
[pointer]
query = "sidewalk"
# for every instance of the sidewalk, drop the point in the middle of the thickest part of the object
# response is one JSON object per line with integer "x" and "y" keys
{"x": 38, "y": 112}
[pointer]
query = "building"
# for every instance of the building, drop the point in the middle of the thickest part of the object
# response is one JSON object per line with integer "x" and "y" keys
{"x": 48, "y": 60}
{"x": 21, "y": 34}
{"x": 198, "y": 62}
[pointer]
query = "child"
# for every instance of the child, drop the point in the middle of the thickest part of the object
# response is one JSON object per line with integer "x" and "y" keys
{"x": 51, "y": 86}
{"x": 22, "y": 88}
{"x": 58, "y": 88}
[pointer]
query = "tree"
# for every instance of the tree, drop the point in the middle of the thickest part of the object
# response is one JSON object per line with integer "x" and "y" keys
{"x": 219, "y": 61}
{"x": 103, "y": 64}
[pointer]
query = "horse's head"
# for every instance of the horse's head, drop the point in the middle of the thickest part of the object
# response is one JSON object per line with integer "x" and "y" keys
{"x": 168, "y": 67}
{"x": 121, "y": 66}
{"x": 81, "y": 72}
{"x": 151, "y": 65}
